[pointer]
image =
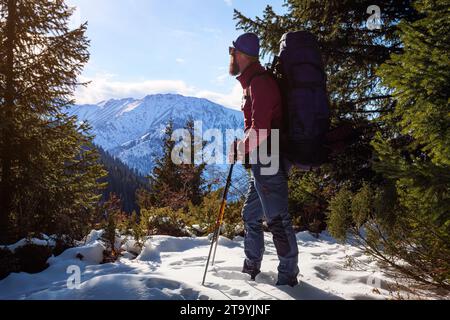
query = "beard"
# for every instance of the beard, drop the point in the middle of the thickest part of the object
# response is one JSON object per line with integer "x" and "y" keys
{"x": 234, "y": 67}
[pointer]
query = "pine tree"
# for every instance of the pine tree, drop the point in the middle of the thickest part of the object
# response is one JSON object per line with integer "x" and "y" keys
{"x": 407, "y": 217}
{"x": 351, "y": 54}
{"x": 48, "y": 166}
{"x": 166, "y": 182}
{"x": 175, "y": 185}
{"x": 192, "y": 173}
{"x": 351, "y": 51}
{"x": 416, "y": 156}
{"x": 112, "y": 213}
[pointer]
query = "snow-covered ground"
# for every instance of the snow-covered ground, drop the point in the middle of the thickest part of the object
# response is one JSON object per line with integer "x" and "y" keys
{"x": 172, "y": 268}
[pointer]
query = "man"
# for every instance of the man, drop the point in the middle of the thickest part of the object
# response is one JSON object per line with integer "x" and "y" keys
{"x": 267, "y": 195}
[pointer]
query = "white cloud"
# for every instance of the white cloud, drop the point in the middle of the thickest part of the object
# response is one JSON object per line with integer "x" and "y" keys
{"x": 104, "y": 87}
{"x": 229, "y": 2}
{"x": 232, "y": 99}
{"x": 180, "y": 60}
{"x": 220, "y": 80}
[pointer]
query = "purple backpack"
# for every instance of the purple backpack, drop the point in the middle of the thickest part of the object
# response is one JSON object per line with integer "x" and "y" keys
{"x": 302, "y": 79}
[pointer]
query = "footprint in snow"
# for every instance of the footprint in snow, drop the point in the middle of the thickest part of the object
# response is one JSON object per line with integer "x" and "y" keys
{"x": 230, "y": 275}
{"x": 228, "y": 290}
{"x": 191, "y": 262}
{"x": 234, "y": 273}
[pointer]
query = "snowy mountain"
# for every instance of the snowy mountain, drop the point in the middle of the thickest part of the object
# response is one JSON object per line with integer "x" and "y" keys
{"x": 131, "y": 129}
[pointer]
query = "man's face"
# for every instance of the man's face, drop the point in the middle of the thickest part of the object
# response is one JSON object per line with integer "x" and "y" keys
{"x": 234, "y": 65}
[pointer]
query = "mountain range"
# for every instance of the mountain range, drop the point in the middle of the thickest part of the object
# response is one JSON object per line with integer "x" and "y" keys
{"x": 132, "y": 129}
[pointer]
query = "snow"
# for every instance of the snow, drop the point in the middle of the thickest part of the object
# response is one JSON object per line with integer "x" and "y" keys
{"x": 172, "y": 268}
{"x": 93, "y": 236}
{"x": 131, "y": 246}
{"x": 48, "y": 242}
{"x": 91, "y": 253}
{"x": 149, "y": 253}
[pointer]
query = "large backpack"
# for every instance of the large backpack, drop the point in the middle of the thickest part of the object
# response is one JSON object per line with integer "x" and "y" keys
{"x": 302, "y": 79}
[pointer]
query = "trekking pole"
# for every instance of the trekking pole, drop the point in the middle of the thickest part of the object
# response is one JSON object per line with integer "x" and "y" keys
{"x": 219, "y": 221}
{"x": 224, "y": 202}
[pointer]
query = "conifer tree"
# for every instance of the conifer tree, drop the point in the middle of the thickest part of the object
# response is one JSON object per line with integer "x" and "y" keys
{"x": 175, "y": 185}
{"x": 415, "y": 156}
{"x": 48, "y": 166}
{"x": 407, "y": 217}
{"x": 193, "y": 172}
{"x": 166, "y": 179}
{"x": 351, "y": 52}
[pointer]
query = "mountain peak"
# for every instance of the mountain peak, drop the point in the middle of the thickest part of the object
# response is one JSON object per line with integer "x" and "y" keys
{"x": 164, "y": 95}
{"x": 130, "y": 129}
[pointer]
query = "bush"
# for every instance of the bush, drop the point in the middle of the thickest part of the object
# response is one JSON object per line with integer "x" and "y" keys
{"x": 8, "y": 263}
{"x": 61, "y": 245}
{"x": 164, "y": 221}
{"x": 30, "y": 258}
{"x": 308, "y": 199}
{"x": 340, "y": 219}
{"x": 113, "y": 218}
{"x": 407, "y": 241}
{"x": 33, "y": 258}
{"x": 134, "y": 229}
{"x": 233, "y": 223}
{"x": 205, "y": 215}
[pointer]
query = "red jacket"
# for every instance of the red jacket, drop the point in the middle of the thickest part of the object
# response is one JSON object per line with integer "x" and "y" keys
{"x": 261, "y": 104}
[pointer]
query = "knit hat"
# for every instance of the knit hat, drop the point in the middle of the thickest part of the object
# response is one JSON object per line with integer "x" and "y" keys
{"x": 248, "y": 43}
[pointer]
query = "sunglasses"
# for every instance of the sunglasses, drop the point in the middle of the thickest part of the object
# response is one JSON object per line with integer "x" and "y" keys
{"x": 231, "y": 51}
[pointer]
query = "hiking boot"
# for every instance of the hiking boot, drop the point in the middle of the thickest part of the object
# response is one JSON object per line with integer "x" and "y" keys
{"x": 292, "y": 282}
{"x": 252, "y": 271}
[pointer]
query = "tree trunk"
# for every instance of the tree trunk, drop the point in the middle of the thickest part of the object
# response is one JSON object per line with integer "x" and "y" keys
{"x": 6, "y": 173}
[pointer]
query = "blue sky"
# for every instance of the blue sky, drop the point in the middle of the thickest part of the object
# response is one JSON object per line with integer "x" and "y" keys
{"x": 141, "y": 47}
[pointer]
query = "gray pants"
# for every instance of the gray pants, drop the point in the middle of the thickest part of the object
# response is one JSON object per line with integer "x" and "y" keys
{"x": 267, "y": 197}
